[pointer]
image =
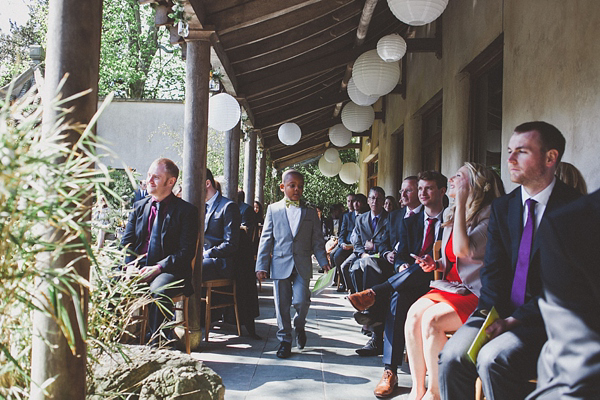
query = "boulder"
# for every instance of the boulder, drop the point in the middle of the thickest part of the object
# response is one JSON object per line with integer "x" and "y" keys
{"x": 146, "y": 373}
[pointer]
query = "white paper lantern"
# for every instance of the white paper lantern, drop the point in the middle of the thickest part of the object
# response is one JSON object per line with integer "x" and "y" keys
{"x": 289, "y": 133}
{"x": 357, "y": 118}
{"x": 373, "y": 76}
{"x": 350, "y": 173}
{"x": 359, "y": 97}
{"x": 417, "y": 12}
{"x": 223, "y": 112}
{"x": 391, "y": 47}
{"x": 329, "y": 169}
{"x": 339, "y": 135}
{"x": 331, "y": 155}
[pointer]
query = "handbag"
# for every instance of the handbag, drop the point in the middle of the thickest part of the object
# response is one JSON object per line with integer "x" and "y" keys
{"x": 450, "y": 287}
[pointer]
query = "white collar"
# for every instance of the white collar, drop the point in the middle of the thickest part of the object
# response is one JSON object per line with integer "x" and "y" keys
{"x": 542, "y": 197}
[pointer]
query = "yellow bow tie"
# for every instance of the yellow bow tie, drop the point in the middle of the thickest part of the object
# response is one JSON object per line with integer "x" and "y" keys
{"x": 289, "y": 203}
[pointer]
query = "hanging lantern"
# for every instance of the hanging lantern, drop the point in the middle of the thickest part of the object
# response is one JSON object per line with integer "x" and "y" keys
{"x": 417, "y": 12}
{"x": 331, "y": 155}
{"x": 339, "y": 135}
{"x": 391, "y": 47}
{"x": 373, "y": 76}
{"x": 350, "y": 173}
{"x": 289, "y": 133}
{"x": 223, "y": 112}
{"x": 359, "y": 97}
{"x": 329, "y": 169}
{"x": 357, "y": 118}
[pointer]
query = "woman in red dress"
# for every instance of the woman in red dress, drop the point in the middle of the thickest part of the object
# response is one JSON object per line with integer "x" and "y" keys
{"x": 448, "y": 305}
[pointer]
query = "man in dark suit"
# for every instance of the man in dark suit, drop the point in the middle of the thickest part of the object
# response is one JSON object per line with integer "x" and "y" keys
{"x": 163, "y": 230}
{"x": 417, "y": 235}
{"x": 221, "y": 233}
{"x": 247, "y": 214}
{"x": 344, "y": 248}
{"x": 140, "y": 192}
{"x": 511, "y": 275}
{"x": 568, "y": 366}
{"x": 369, "y": 232}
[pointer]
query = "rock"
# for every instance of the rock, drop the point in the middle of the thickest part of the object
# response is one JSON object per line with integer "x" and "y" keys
{"x": 145, "y": 373}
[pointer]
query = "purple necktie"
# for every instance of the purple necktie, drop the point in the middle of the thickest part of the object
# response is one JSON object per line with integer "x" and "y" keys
{"x": 517, "y": 295}
{"x": 374, "y": 224}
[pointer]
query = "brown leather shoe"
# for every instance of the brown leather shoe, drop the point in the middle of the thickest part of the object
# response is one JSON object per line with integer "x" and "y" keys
{"x": 362, "y": 300}
{"x": 387, "y": 384}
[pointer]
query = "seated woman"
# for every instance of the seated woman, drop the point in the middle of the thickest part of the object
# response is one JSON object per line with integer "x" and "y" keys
{"x": 390, "y": 204}
{"x": 448, "y": 305}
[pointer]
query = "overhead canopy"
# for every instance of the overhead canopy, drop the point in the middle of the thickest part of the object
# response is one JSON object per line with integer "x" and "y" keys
{"x": 290, "y": 60}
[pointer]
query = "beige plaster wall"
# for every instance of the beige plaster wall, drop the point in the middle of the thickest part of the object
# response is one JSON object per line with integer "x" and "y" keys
{"x": 134, "y": 130}
{"x": 552, "y": 73}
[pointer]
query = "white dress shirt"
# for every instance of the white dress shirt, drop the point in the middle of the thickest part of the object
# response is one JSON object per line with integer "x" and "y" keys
{"x": 293, "y": 215}
{"x": 542, "y": 201}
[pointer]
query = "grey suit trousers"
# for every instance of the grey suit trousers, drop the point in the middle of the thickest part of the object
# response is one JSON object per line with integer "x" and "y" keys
{"x": 505, "y": 364}
{"x": 291, "y": 291}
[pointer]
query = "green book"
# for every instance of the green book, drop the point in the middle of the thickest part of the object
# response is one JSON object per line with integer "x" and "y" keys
{"x": 324, "y": 281}
{"x": 482, "y": 337}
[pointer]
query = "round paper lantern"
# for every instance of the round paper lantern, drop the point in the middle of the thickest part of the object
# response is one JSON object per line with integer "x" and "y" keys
{"x": 350, "y": 173}
{"x": 339, "y": 135}
{"x": 391, "y": 47}
{"x": 417, "y": 12}
{"x": 373, "y": 76}
{"x": 223, "y": 112}
{"x": 357, "y": 118}
{"x": 289, "y": 133}
{"x": 359, "y": 97}
{"x": 329, "y": 169}
{"x": 331, "y": 155}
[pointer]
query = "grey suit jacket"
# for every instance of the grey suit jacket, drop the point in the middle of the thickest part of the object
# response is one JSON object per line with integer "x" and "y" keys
{"x": 363, "y": 232}
{"x": 280, "y": 251}
{"x": 469, "y": 267}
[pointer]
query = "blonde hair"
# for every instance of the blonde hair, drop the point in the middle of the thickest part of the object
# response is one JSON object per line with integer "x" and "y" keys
{"x": 569, "y": 174}
{"x": 485, "y": 187}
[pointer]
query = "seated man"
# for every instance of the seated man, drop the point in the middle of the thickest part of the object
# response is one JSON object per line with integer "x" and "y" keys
{"x": 163, "y": 229}
{"x": 568, "y": 366}
{"x": 417, "y": 236}
{"x": 366, "y": 271}
{"x": 344, "y": 248}
{"x": 221, "y": 233}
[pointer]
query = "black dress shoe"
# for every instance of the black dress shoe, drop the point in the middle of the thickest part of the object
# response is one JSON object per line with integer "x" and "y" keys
{"x": 300, "y": 338}
{"x": 321, "y": 270}
{"x": 364, "y": 318}
{"x": 342, "y": 289}
{"x": 374, "y": 347}
{"x": 285, "y": 350}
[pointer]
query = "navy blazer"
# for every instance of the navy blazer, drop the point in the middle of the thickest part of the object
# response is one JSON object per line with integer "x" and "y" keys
{"x": 348, "y": 221}
{"x": 248, "y": 218}
{"x": 179, "y": 235}
{"x": 222, "y": 231}
{"x": 393, "y": 233}
{"x": 411, "y": 238}
{"x": 504, "y": 237}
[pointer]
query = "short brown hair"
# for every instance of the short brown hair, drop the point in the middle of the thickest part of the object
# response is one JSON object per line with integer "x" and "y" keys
{"x": 170, "y": 167}
{"x": 550, "y": 136}
{"x": 440, "y": 180}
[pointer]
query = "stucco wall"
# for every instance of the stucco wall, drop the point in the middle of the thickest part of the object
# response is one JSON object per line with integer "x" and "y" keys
{"x": 551, "y": 73}
{"x": 136, "y": 131}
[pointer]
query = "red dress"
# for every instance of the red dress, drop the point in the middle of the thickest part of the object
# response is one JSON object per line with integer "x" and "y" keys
{"x": 464, "y": 305}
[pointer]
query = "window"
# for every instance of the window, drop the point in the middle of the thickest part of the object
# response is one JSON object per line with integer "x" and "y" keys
{"x": 372, "y": 169}
{"x": 431, "y": 136}
{"x": 486, "y": 106}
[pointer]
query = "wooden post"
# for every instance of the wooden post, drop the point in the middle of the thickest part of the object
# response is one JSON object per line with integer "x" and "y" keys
{"x": 260, "y": 181}
{"x": 195, "y": 135}
{"x": 250, "y": 167}
{"x": 232, "y": 163}
{"x": 73, "y": 48}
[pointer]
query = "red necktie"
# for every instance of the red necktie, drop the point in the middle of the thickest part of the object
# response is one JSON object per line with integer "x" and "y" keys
{"x": 429, "y": 237}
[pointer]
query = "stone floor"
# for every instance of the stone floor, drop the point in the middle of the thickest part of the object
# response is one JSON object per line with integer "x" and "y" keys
{"x": 328, "y": 368}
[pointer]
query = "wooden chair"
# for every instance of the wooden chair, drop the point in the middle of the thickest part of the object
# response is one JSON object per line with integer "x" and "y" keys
{"x": 218, "y": 286}
{"x": 184, "y": 308}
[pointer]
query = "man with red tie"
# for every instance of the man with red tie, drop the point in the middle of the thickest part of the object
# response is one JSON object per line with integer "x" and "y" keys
{"x": 417, "y": 235}
{"x": 511, "y": 275}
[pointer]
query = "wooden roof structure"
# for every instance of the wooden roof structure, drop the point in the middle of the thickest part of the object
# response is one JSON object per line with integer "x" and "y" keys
{"x": 290, "y": 60}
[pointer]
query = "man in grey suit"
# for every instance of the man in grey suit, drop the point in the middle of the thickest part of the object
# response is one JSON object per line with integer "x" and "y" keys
{"x": 371, "y": 229}
{"x": 290, "y": 234}
{"x": 221, "y": 233}
{"x": 568, "y": 366}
